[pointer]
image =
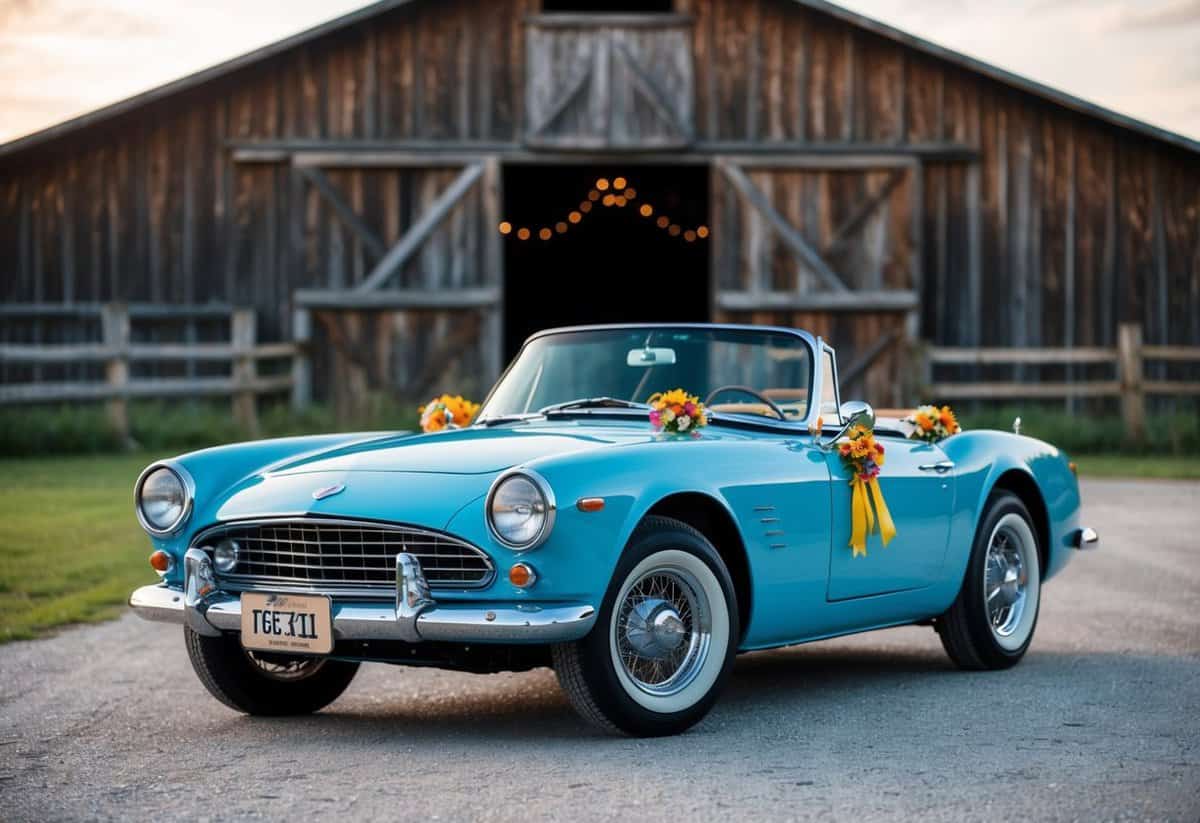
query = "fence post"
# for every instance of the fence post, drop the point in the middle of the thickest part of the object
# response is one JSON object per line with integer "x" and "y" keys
{"x": 244, "y": 334}
{"x": 1133, "y": 394}
{"x": 114, "y": 325}
{"x": 301, "y": 365}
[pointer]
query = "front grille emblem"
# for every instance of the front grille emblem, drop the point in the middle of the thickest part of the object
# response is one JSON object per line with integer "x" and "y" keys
{"x": 329, "y": 491}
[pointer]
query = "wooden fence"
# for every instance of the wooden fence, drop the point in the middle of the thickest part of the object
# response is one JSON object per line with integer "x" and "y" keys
{"x": 1129, "y": 383}
{"x": 116, "y": 350}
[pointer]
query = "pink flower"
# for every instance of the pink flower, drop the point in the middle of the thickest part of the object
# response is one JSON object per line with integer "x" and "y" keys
{"x": 690, "y": 408}
{"x": 655, "y": 419}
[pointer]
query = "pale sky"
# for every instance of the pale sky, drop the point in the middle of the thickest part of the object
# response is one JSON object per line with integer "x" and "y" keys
{"x": 60, "y": 58}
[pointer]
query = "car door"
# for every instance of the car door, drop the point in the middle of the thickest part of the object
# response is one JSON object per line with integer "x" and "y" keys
{"x": 917, "y": 482}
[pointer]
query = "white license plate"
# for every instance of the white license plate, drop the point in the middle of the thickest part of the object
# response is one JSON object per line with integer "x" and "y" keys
{"x": 287, "y": 623}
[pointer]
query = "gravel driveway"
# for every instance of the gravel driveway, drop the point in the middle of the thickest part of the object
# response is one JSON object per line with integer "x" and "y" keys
{"x": 1101, "y": 721}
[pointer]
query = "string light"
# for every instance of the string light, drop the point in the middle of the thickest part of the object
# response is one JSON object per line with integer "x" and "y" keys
{"x": 620, "y": 195}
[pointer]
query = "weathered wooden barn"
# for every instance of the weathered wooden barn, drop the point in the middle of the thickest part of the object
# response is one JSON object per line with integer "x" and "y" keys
{"x": 407, "y": 189}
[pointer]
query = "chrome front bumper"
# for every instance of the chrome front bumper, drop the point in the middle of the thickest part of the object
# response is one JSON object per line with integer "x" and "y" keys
{"x": 414, "y": 617}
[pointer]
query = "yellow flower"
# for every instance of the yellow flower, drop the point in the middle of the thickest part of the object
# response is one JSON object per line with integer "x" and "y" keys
{"x": 947, "y": 418}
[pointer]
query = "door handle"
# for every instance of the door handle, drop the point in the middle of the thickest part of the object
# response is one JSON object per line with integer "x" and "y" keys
{"x": 941, "y": 467}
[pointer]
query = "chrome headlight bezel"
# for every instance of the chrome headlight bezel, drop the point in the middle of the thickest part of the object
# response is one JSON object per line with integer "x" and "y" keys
{"x": 550, "y": 507}
{"x": 189, "y": 496}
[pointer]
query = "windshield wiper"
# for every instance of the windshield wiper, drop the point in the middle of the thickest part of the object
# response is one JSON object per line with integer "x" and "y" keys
{"x": 592, "y": 403}
{"x": 505, "y": 418}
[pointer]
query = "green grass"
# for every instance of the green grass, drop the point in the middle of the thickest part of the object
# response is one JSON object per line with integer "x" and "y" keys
{"x": 70, "y": 547}
{"x": 1166, "y": 467}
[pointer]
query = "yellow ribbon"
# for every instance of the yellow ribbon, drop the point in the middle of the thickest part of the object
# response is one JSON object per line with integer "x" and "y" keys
{"x": 863, "y": 519}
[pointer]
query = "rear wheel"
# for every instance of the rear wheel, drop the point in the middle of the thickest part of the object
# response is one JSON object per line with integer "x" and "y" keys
{"x": 265, "y": 683}
{"x": 665, "y": 638}
{"x": 991, "y": 623}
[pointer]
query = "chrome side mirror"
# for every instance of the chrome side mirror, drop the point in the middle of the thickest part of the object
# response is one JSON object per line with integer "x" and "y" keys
{"x": 853, "y": 413}
{"x": 856, "y": 413}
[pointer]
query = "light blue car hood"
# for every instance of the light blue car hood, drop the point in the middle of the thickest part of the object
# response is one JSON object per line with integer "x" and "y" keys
{"x": 422, "y": 479}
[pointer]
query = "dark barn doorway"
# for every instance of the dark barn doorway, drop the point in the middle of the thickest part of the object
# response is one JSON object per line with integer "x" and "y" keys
{"x": 603, "y": 244}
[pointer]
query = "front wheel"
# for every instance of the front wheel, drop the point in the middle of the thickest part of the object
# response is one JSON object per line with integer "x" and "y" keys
{"x": 991, "y": 623}
{"x": 664, "y": 641}
{"x": 266, "y": 683}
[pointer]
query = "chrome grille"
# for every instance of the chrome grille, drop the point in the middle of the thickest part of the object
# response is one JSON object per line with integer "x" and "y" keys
{"x": 342, "y": 556}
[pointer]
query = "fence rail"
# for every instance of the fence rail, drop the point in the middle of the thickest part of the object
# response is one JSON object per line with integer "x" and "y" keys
{"x": 1128, "y": 358}
{"x": 116, "y": 351}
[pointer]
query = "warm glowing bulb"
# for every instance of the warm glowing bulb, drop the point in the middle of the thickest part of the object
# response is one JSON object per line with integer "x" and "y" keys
{"x": 702, "y": 232}
{"x": 575, "y": 216}
{"x": 560, "y": 227}
{"x": 522, "y": 234}
{"x": 646, "y": 210}
{"x": 674, "y": 230}
{"x": 619, "y": 183}
{"x": 608, "y": 200}
{"x": 619, "y": 201}
{"x": 689, "y": 235}
{"x": 585, "y": 206}
{"x": 505, "y": 227}
{"x": 630, "y": 194}
{"x": 593, "y": 195}
{"x": 544, "y": 234}
{"x": 662, "y": 222}
{"x": 602, "y": 184}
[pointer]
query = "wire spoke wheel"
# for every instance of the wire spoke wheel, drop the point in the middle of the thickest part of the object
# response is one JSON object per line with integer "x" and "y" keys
{"x": 284, "y": 667}
{"x": 663, "y": 630}
{"x": 1005, "y": 581}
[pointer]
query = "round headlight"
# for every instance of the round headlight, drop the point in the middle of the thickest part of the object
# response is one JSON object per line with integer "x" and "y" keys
{"x": 162, "y": 500}
{"x": 520, "y": 510}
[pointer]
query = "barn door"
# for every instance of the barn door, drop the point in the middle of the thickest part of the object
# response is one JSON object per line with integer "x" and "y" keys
{"x": 409, "y": 263}
{"x": 825, "y": 244}
{"x": 600, "y": 81}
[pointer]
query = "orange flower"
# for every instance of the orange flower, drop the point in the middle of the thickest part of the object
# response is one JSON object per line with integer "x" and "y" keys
{"x": 925, "y": 422}
{"x": 946, "y": 416}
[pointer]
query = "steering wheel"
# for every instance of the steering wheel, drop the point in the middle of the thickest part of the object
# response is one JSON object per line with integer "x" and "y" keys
{"x": 766, "y": 401}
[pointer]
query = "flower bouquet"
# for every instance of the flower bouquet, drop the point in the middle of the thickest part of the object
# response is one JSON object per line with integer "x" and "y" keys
{"x": 676, "y": 412}
{"x": 447, "y": 412}
{"x": 931, "y": 423}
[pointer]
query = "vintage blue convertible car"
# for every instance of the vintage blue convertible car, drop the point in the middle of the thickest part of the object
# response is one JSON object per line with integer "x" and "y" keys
{"x": 560, "y": 529}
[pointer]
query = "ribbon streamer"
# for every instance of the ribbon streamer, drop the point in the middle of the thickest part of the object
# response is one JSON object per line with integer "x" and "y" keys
{"x": 864, "y": 519}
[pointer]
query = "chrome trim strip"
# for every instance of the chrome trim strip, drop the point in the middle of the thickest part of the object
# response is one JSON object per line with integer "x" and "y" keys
{"x": 189, "y": 490}
{"x": 547, "y": 493}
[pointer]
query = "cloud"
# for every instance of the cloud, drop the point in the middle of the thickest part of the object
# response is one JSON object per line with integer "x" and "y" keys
{"x": 40, "y": 18}
{"x": 1171, "y": 15}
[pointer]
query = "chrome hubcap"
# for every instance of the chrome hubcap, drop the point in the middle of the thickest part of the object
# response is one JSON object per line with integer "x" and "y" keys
{"x": 284, "y": 667}
{"x": 663, "y": 631}
{"x": 1004, "y": 582}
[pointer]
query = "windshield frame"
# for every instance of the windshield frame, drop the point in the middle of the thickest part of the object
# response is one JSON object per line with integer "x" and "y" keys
{"x": 815, "y": 347}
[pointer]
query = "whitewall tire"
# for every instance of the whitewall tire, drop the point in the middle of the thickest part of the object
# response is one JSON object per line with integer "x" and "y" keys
{"x": 665, "y": 639}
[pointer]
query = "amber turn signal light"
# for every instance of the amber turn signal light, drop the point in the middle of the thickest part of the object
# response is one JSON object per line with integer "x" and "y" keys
{"x": 522, "y": 575}
{"x": 590, "y": 504}
{"x": 160, "y": 561}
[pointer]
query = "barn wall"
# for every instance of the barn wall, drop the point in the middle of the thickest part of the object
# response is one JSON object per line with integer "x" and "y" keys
{"x": 1064, "y": 227}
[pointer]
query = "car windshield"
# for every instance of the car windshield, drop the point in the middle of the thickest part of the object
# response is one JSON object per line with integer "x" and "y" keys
{"x": 624, "y": 366}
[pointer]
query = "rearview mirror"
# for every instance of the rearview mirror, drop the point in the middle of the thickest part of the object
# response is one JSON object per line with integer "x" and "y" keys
{"x": 647, "y": 357}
